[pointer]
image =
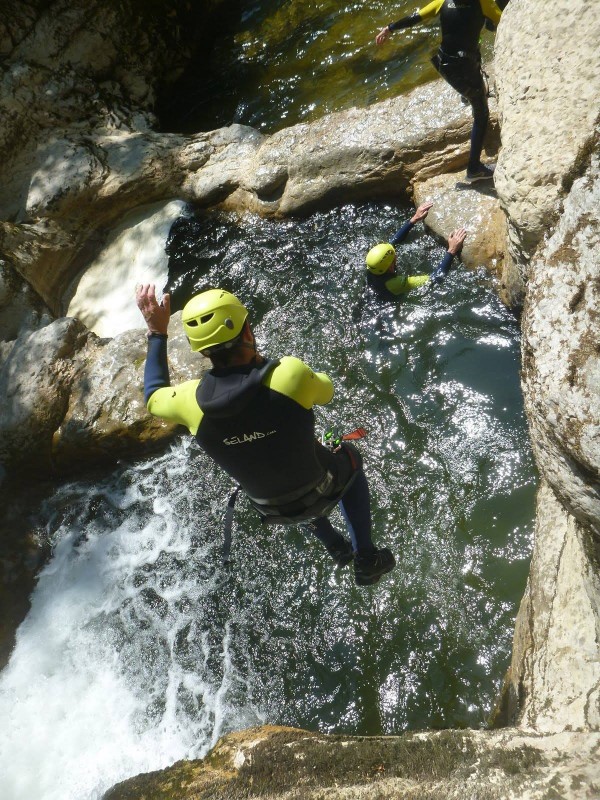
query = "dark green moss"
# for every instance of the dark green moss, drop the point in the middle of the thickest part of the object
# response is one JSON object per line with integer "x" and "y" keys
{"x": 289, "y": 760}
{"x": 522, "y": 760}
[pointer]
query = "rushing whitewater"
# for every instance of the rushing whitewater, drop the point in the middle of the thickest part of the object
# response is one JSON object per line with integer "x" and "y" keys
{"x": 134, "y": 253}
{"x": 113, "y": 672}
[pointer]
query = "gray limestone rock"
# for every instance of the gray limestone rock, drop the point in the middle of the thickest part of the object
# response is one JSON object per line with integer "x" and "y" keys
{"x": 553, "y": 683}
{"x": 548, "y": 91}
{"x": 106, "y": 417}
{"x": 561, "y": 353}
{"x": 71, "y": 398}
{"x": 35, "y": 382}
{"x": 476, "y": 207}
{"x": 21, "y": 309}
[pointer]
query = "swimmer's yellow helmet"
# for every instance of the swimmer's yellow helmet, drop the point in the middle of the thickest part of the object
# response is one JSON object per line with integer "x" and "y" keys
{"x": 213, "y": 319}
{"x": 380, "y": 258}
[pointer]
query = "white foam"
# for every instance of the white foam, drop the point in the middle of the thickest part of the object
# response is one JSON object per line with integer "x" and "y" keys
{"x": 93, "y": 691}
{"x": 134, "y": 253}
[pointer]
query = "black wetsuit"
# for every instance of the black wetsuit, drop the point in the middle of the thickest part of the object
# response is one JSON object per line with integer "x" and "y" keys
{"x": 257, "y": 423}
{"x": 459, "y": 59}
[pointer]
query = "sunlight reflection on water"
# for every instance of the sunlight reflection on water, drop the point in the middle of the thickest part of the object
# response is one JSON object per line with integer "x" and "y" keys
{"x": 142, "y": 650}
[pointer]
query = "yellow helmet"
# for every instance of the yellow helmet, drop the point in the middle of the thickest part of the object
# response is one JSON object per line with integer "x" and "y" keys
{"x": 212, "y": 319}
{"x": 380, "y": 258}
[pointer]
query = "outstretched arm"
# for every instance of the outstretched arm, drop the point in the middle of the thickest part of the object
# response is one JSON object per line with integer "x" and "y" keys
{"x": 178, "y": 403}
{"x": 428, "y": 11}
{"x": 405, "y": 22}
{"x": 419, "y": 214}
{"x": 156, "y": 371}
{"x": 455, "y": 243}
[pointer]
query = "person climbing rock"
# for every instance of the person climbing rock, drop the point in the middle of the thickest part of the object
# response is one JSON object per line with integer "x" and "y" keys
{"x": 254, "y": 416}
{"x": 458, "y": 60}
{"x": 383, "y": 275}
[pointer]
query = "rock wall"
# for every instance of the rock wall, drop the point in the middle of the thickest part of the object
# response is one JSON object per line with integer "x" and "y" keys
{"x": 73, "y": 399}
{"x": 561, "y": 352}
{"x": 548, "y": 77}
{"x": 78, "y": 183}
{"x": 77, "y": 85}
{"x": 548, "y": 184}
{"x": 554, "y": 681}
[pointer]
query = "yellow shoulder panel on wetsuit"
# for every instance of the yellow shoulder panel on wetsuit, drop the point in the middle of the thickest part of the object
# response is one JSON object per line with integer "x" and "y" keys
{"x": 177, "y": 404}
{"x": 400, "y": 284}
{"x": 488, "y": 7}
{"x": 296, "y": 380}
{"x": 431, "y": 9}
{"x": 414, "y": 281}
{"x": 490, "y": 10}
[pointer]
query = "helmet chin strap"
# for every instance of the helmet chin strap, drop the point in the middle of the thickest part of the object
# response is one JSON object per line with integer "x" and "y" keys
{"x": 251, "y": 346}
{"x": 238, "y": 342}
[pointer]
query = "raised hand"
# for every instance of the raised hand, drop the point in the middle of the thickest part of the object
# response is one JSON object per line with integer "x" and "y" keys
{"x": 455, "y": 240}
{"x": 156, "y": 314}
{"x": 383, "y": 35}
{"x": 421, "y": 212}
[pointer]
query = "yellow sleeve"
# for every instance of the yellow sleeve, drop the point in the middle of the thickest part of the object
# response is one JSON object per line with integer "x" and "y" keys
{"x": 295, "y": 379}
{"x": 397, "y": 284}
{"x": 490, "y": 10}
{"x": 431, "y": 9}
{"x": 414, "y": 281}
{"x": 400, "y": 284}
{"x": 177, "y": 404}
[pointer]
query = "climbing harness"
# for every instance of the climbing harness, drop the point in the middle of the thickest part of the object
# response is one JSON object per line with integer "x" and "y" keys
{"x": 228, "y": 527}
{"x": 330, "y": 439}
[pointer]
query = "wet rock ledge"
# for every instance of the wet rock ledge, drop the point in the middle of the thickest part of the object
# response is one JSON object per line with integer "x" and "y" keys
{"x": 289, "y": 764}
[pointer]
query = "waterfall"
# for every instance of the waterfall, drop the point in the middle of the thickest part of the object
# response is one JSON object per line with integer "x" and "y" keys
{"x": 117, "y": 669}
{"x": 134, "y": 253}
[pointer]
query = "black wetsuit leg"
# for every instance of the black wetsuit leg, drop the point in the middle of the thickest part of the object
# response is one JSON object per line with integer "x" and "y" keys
{"x": 326, "y": 533}
{"x": 464, "y": 74}
{"x": 356, "y": 509}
